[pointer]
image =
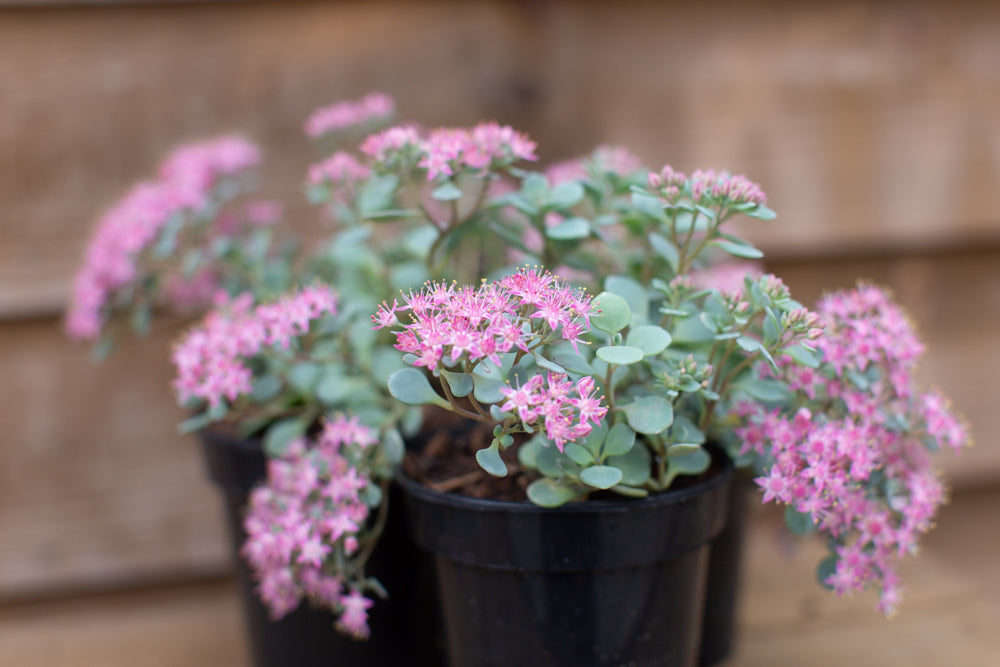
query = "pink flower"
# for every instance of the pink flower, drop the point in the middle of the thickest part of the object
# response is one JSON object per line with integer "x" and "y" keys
{"x": 354, "y": 619}
{"x": 345, "y": 115}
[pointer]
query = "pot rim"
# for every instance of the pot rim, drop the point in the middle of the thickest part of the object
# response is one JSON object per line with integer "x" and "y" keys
{"x": 661, "y": 498}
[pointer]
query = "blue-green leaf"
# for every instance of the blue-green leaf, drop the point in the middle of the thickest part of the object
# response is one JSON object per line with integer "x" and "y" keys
{"x": 393, "y": 448}
{"x": 612, "y": 313}
{"x": 569, "y": 229}
{"x": 799, "y": 523}
{"x": 826, "y": 569}
{"x": 635, "y": 465}
{"x": 459, "y": 383}
{"x": 487, "y": 390}
{"x": 265, "y": 388}
{"x": 547, "y": 492}
{"x": 651, "y": 339}
{"x": 665, "y": 249}
{"x": 650, "y": 206}
{"x": 565, "y": 195}
{"x": 578, "y": 453}
{"x": 619, "y": 440}
{"x": 489, "y": 460}
{"x": 601, "y": 477}
{"x": 694, "y": 462}
{"x": 744, "y": 249}
{"x": 447, "y": 192}
{"x": 411, "y": 387}
{"x": 649, "y": 414}
{"x": 620, "y": 355}
{"x": 281, "y": 434}
{"x": 303, "y": 377}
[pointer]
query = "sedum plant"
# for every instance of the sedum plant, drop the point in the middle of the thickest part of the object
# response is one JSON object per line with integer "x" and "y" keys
{"x": 484, "y": 270}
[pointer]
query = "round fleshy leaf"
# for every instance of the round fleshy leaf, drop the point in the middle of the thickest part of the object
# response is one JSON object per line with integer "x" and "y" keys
{"x": 568, "y": 230}
{"x": 304, "y": 376}
{"x": 578, "y": 453}
{"x": 459, "y": 383}
{"x": 547, "y": 492}
{"x": 490, "y": 461}
{"x": 411, "y": 387}
{"x": 651, "y": 339}
{"x": 393, "y": 447}
{"x": 447, "y": 192}
{"x": 611, "y": 313}
{"x": 692, "y": 463}
{"x": 799, "y": 523}
{"x": 682, "y": 449}
{"x": 634, "y": 466}
{"x": 601, "y": 477}
{"x": 620, "y": 355}
{"x": 633, "y": 293}
{"x": 565, "y": 195}
{"x": 620, "y": 440}
{"x": 649, "y": 414}
{"x": 281, "y": 434}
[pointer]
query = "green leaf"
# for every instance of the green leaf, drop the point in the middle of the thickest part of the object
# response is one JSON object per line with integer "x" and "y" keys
{"x": 620, "y": 355}
{"x": 749, "y": 344}
{"x": 744, "y": 249}
{"x": 692, "y": 463}
{"x": 649, "y": 338}
{"x": 527, "y": 454}
{"x": 634, "y": 295}
{"x": 630, "y": 491}
{"x": 612, "y": 313}
{"x": 141, "y": 316}
{"x": 649, "y": 414}
{"x": 303, "y": 377}
{"x": 265, "y": 388}
{"x": 635, "y": 465}
{"x": 487, "y": 390}
{"x": 595, "y": 439}
{"x": 333, "y": 388}
{"x": 682, "y": 449}
{"x": 765, "y": 389}
{"x": 578, "y": 453}
{"x": 371, "y": 495}
{"x": 601, "y": 477}
{"x": 460, "y": 383}
{"x": 411, "y": 387}
{"x": 447, "y": 192}
{"x": 196, "y": 423}
{"x": 826, "y": 569}
{"x": 393, "y": 447}
{"x": 569, "y": 229}
{"x": 573, "y": 362}
{"x": 650, "y": 206}
{"x": 376, "y": 194}
{"x": 762, "y": 212}
{"x": 547, "y": 492}
{"x": 619, "y": 440}
{"x": 799, "y": 523}
{"x": 547, "y": 365}
{"x": 548, "y": 460}
{"x": 281, "y": 434}
{"x": 565, "y": 195}
{"x": 489, "y": 460}
{"x": 665, "y": 249}
{"x": 684, "y": 430}
{"x": 803, "y": 355}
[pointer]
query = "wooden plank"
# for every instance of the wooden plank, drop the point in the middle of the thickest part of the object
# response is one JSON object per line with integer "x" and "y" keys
{"x": 868, "y": 123}
{"x": 96, "y": 487}
{"x": 161, "y": 628}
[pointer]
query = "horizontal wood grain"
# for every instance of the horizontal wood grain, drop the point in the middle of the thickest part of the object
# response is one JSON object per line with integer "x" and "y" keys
{"x": 869, "y": 123}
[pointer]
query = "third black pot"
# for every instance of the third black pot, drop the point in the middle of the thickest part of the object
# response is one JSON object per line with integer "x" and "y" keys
{"x": 405, "y": 627}
{"x": 599, "y": 583}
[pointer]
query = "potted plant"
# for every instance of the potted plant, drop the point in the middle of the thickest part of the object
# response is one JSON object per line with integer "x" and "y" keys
{"x": 568, "y": 412}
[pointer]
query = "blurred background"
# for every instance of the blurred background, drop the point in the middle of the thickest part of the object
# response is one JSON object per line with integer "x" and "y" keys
{"x": 874, "y": 127}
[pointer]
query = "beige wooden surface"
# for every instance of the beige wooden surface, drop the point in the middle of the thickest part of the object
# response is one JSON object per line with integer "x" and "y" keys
{"x": 874, "y": 127}
{"x": 948, "y": 618}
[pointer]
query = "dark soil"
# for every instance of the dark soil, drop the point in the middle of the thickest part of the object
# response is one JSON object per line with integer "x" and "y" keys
{"x": 446, "y": 461}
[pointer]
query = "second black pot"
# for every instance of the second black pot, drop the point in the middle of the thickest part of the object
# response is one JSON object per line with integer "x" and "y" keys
{"x": 600, "y": 583}
{"x": 404, "y": 628}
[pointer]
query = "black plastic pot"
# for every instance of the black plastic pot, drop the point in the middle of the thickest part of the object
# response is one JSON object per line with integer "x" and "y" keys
{"x": 600, "y": 583}
{"x": 724, "y": 577}
{"x": 405, "y": 628}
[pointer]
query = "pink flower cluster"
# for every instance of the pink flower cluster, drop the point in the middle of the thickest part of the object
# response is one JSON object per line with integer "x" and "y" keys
{"x": 343, "y": 115}
{"x": 605, "y": 158}
{"x": 453, "y": 324}
{"x": 449, "y": 151}
{"x": 211, "y": 358}
{"x": 548, "y": 402}
{"x": 855, "y": 455}
{"x": 340, "y": 168}
{"x": 308, "y": 517}
{"x": 707, "y": 187}
{"x": 187, "y": 183}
